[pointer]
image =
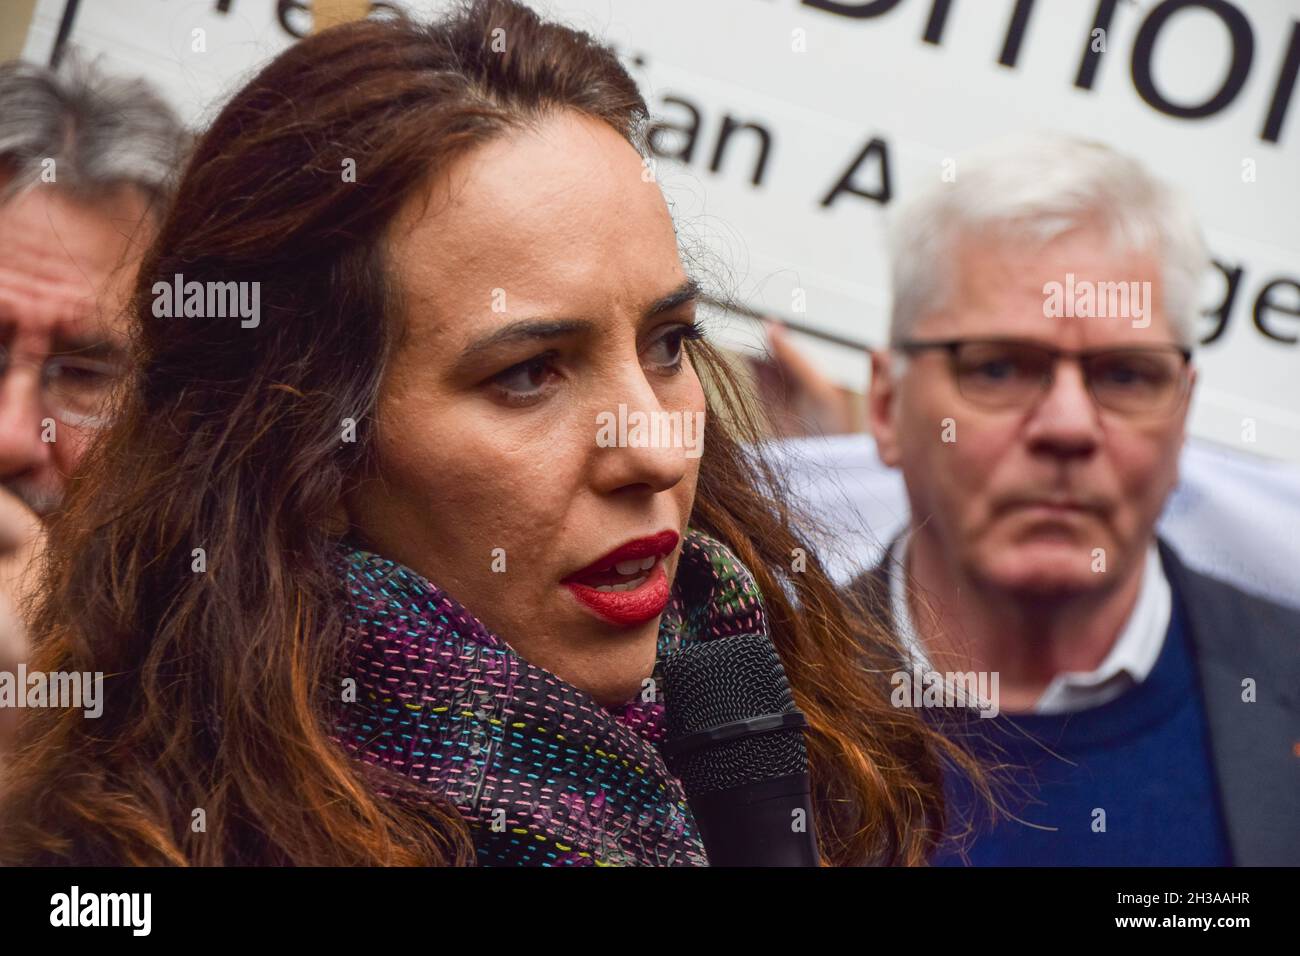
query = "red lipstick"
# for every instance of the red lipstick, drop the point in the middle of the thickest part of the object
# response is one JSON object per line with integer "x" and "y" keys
{"x": 642, "y": 583}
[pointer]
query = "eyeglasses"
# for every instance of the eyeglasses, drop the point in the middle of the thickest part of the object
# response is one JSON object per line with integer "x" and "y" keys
{"x": 1005, "y": 374}
{"x": 76, "y": 388}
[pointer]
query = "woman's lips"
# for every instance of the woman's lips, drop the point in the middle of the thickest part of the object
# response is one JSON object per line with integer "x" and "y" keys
{"x": 629, "y": 585}
{"x": 643, "y": 602}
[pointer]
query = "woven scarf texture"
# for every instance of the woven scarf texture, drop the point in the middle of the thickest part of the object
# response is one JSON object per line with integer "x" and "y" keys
{"x": 542, "y": 773}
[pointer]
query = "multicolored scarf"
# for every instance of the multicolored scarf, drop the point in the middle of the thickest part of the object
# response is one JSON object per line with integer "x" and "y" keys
{"x": 542, "y": 773}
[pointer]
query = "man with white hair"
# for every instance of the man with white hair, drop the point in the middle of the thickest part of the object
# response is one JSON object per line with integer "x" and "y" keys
{"x": 1035, "y": 394}
{"x": 86, "y": 165}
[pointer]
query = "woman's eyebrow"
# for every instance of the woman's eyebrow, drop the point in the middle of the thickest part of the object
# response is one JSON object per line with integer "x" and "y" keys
{"x": 526, "y": 330}
{"x": 688, "y": 290}
{"x": 545, "y": 329}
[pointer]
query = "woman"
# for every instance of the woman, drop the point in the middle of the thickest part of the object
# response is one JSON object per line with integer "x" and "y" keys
{"x": 462, "y": 268}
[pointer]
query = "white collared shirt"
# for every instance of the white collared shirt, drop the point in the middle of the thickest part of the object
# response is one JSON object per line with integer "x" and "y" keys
{"x": 1129, "y": 662}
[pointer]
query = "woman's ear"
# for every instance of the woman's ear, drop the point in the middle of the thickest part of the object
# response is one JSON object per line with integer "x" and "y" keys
{"x": 338, "y": 522}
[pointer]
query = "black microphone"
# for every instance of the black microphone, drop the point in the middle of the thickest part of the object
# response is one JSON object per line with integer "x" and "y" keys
{"x": 735, "y": 740}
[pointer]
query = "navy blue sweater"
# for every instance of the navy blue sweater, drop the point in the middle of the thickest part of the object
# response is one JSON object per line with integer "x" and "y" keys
{"x": 1129, "y": 783}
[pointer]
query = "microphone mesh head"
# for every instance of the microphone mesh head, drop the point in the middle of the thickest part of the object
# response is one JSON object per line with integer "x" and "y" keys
{"x": 715, "y": 682}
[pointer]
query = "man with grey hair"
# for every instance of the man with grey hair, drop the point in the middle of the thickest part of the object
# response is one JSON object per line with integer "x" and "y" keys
{"x": 86, "y": 165}
{"x": 1035, "y": 394}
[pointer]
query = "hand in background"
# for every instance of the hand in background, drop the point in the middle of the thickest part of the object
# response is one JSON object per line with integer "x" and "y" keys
{"x": 21, "y": 538}
{"x": 798, "y": 398}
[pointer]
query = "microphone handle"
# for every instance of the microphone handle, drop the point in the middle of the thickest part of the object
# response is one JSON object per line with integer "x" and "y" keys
{"x": 754, "y": 824}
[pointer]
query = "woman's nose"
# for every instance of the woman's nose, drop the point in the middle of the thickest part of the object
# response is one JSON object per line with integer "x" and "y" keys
{"x": 639, "y": 441}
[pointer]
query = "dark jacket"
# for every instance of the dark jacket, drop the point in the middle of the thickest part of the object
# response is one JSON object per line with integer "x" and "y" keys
{"x": 1255, "y": 746}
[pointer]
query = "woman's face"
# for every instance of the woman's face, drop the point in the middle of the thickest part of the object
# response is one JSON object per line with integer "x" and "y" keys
{"x": 542, "y": 289}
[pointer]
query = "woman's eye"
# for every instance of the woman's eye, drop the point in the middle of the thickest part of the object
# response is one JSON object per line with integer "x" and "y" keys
{"x": 667, "y": 350}
{"x": 526, "y": 381}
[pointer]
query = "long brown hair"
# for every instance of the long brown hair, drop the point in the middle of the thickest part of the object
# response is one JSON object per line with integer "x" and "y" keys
{"x": 227, "y": 440}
